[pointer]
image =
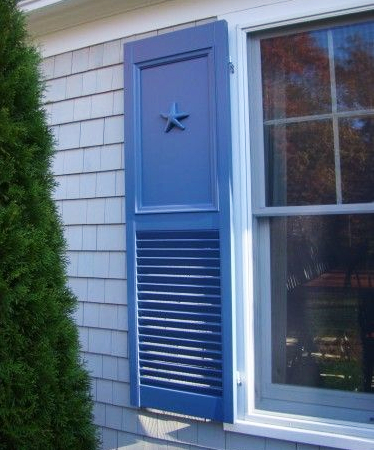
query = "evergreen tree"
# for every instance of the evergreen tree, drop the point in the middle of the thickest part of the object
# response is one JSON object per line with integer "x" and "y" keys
{"x": 44, "y": 391}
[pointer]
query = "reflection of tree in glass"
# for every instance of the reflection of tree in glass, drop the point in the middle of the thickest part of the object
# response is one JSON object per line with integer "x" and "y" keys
{"x": 354, "y": 67}
{"x": 296, "y": 82}
{"x": 301, "y": 163}
{"x": 295, "y": 73}
{"x": 357, "y": 159}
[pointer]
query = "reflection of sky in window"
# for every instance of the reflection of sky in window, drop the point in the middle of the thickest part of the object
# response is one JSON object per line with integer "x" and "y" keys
{"x": 344, "y": 36}
{"x": 363, "y": 125}
{"x": 354, "y": 65}
{"x": 320, "y": 37}
{"x": 357, "y": 123}
{"x": 318, "y": 40}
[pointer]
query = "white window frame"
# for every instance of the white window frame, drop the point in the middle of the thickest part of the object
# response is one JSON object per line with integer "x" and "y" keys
{"x": 249, "y": 420}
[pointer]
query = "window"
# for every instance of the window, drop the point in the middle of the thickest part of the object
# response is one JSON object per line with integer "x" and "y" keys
{"x": 312, "y": 148}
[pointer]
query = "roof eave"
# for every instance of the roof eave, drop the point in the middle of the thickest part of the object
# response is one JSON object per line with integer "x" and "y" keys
{"x": 48, "y": 16}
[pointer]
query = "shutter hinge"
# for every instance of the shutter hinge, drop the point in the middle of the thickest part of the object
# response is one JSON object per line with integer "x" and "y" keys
{"x": 231, "y": 66}
{"x": 239, "y": 378}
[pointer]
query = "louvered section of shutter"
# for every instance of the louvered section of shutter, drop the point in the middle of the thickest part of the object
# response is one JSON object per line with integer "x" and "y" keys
{"x": 179, "y": 310}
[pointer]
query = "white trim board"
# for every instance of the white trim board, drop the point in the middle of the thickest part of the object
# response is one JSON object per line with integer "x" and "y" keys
{"x": 285, "y": 430}
{"x": 31, "y": 5}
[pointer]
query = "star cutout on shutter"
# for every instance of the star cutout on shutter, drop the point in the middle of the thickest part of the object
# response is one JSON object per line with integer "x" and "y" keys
{"x": 173, "y": 117}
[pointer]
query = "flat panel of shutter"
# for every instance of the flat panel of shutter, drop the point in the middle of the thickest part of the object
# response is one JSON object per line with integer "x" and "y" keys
{"x": 177, "y": 148}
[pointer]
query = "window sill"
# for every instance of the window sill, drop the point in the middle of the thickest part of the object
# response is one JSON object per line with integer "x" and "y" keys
{"x": 308, "y": 431}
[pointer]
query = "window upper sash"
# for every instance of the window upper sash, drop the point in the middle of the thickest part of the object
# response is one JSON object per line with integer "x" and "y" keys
{"x": 311, "y": 95}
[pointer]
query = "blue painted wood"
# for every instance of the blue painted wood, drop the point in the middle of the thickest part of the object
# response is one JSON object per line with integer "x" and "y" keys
{"x": 176, "y": 170}
{"x": 199, "y": 405}
{"x": 174, "y": 118}
{"x": 178, "y": 221}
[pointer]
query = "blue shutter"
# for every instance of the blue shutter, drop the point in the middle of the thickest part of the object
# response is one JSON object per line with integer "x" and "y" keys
{"x": 177, "y": 147}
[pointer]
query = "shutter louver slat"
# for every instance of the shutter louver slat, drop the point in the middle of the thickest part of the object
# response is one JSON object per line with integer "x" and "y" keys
{"x": 157, "y": 288}
{"x": 165, "y": 323}
{"x": 186, "y": 351}
{"x": 176, "y": 252}
{"x": 199, "y": 308}
{"x": 170, "y": 243}
{"x": 182, "y": 339}
{"x": 169, "y": 374}
{"x": 165, "y": 270}
{"x": 161, "y": 365}
{"x": 194, "y": 335}
{"x": 179, "y": 315}
{"x": 181, "y": 342}
{"x": 176, "y": 279}
{"x": 193, "y": 262}
{"x": 180, "y": 297}
{"x": 183, "y": 386}
{"x": 179, "y": 360}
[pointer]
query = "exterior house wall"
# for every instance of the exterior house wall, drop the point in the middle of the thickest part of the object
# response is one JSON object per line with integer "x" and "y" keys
{"x": 84, "y": 103}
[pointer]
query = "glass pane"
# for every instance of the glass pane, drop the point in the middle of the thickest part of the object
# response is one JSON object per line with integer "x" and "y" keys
{"x": 323, "y": 301}
{"x": 354, "y": 66}
{"x": 357, "y": 159}
{"x": 295, "y": 75}
{"x": 300, "y": 164}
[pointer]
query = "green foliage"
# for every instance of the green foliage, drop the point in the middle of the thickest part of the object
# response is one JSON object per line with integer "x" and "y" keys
{"x": 44, "y": 392}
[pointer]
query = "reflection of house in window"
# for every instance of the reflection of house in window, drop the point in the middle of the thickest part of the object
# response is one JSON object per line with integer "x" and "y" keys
{"x": 330, "y": 304}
